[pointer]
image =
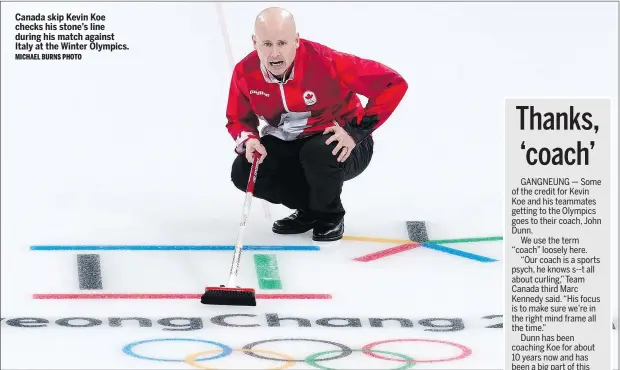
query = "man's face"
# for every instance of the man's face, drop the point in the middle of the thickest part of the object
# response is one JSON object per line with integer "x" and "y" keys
{"x": 276, "y": 47}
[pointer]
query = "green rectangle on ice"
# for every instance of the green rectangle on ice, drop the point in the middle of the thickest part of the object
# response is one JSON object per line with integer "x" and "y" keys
{"x": 267, "y": 271}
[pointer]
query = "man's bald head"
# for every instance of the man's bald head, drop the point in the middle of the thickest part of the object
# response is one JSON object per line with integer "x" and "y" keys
{"x": 276, "y": 39}
{"x": 275, "y": 17}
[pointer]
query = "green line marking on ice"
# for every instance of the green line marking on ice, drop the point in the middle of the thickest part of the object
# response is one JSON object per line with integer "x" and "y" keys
{"x": 267, "y": 271}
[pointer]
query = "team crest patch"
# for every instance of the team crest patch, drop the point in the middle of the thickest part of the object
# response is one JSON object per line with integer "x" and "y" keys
{"x": 309, "y": 98}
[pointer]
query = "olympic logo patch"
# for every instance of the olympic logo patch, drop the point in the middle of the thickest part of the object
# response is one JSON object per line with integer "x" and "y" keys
{"x": 194, "y": 359}
{"x": 309, "y": 97}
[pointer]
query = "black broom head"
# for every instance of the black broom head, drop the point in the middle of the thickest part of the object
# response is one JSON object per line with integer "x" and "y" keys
{"x": 229, "y": 296}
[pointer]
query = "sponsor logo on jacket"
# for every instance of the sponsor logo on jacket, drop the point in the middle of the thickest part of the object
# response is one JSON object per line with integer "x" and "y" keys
{"x": 255, "y": 92}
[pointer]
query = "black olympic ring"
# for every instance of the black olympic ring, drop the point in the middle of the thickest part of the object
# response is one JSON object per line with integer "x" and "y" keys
{"x": 345, "y": 349}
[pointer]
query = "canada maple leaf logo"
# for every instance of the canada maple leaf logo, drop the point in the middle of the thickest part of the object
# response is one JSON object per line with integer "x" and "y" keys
{"x": 309, "y": 97}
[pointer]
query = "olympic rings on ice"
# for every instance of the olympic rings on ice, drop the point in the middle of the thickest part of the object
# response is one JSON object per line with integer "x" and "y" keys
{"x": 224, "y": 350}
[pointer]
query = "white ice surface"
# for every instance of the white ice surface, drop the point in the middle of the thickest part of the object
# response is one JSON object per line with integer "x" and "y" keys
{"x": 130, "y": 148}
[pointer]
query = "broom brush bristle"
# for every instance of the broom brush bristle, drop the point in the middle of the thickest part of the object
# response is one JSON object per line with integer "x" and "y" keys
{"x": 229, "y": 296}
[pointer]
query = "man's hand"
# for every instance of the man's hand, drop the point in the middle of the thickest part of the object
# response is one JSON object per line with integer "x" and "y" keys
{"x": 254, "y": 145}
{"x": 345, "y": 142}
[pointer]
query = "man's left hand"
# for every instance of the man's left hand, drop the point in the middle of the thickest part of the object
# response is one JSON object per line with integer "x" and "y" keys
{"x": 345, "y": 142}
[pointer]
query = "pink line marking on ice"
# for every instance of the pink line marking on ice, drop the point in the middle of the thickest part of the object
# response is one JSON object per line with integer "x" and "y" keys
{"x": 386, "y": 252}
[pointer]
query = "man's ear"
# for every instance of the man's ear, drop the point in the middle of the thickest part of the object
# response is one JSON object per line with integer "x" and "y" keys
{"x": 297, "y": 40}
{"x": 254, "y": 41}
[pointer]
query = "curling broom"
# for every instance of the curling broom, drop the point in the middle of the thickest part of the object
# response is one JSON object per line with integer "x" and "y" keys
{"x": 230, "y": 294}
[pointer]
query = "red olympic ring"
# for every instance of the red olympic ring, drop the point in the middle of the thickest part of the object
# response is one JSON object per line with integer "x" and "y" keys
{"x": 465, "y": 350}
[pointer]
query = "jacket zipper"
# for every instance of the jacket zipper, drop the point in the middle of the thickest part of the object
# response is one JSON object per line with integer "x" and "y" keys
{"x": 283, "y": 98}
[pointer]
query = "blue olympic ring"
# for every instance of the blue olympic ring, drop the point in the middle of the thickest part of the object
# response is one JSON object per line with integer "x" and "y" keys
{"x": 128, "y": 349}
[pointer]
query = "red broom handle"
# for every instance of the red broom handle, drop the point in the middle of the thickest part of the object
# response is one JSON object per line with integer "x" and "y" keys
{"x": 234, "y": 268}
{"x": 253, "y": 173}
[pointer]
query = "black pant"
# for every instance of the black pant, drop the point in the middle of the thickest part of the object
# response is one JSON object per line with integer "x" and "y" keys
{"x": 303, "y": 173}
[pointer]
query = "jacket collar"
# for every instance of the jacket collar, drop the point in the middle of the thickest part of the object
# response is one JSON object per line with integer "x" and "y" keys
{"x": 270, "y": 78}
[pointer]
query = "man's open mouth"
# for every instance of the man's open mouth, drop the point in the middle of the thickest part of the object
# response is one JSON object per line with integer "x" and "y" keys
{"x": 277, "y": 64}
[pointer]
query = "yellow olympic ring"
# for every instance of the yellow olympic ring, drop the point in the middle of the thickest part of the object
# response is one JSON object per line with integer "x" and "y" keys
{"x": 191, "y": 359}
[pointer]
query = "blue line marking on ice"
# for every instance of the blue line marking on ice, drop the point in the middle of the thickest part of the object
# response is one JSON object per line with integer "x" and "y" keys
{"x": 459, "y": 253}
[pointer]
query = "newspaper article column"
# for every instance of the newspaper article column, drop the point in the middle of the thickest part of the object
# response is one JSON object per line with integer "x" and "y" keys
{"x": 557, "y": 234}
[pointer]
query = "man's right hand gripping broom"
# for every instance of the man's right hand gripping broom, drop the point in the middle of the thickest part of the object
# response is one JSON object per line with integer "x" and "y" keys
{"x": 254, "y": 145}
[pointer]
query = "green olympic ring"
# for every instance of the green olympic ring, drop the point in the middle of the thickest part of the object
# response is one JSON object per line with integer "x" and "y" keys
{"x": 311, "y": 360}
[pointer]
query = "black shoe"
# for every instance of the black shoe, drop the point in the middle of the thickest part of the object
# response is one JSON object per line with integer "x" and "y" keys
{"x": 328, "y": 231}
{"x": 297, "y": 223}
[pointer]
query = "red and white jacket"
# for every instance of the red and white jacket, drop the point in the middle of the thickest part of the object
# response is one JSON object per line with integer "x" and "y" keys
{"x": 320, "y": 92}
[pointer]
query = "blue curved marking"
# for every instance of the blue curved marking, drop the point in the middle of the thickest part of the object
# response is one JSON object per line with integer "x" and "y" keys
{"x": 128, "y": 349}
